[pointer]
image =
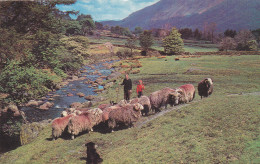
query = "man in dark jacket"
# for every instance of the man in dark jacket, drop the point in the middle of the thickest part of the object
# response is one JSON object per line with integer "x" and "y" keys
{"x": 127, "y": 87}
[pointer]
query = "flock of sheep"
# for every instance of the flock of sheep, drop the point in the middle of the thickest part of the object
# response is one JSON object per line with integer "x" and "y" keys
{"x": 79, "y": 120}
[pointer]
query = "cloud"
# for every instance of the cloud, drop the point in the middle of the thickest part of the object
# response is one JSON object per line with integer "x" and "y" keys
{"x": 108, "y": 9}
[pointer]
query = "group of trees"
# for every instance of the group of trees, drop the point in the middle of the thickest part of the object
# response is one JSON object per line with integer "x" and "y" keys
{"x": 121, "y": 31}
{"x": 244, "y": 40}
{"x": 31, "y": 62}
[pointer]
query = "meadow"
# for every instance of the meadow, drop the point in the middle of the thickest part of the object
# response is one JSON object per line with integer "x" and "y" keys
{"x": 223, "y": 128}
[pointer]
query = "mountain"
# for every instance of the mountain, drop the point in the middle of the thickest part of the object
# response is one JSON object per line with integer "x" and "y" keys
{"x": 232, "y": 14}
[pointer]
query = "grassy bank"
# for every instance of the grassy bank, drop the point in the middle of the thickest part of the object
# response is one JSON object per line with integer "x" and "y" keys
{"x": 223, "y": 128}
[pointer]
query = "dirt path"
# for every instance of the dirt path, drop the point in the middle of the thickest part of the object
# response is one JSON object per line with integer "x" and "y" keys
{"x": 242, "y": 94}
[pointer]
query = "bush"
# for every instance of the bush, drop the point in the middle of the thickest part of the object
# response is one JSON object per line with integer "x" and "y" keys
{"x": 124, "y": 53}
{"x": 173, "y": 44}
{"x": 23, "y": 83}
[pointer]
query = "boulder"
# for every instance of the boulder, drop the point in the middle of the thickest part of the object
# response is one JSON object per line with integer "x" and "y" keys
{"x": 76, "y": 105}
{"x": 89, "y": 97}
{"x": 29, "y": 132}
{"x": 113, "y": 75}
{"x": 70, "y": 95}
{"x": 46, "y": 106}
{"x": 80, "y": 94}
{"x": 32, "y": 103}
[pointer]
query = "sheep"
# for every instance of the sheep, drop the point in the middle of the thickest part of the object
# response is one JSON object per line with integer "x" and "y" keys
{"x": 126, "y": 115}
{"x": 84, "y": 121}
{"x": 59, "y": 125}
{"x": 205, "y": 87}
{"x": 107, "y": 110}
{"x": 160, "y": 98}
{"x": 145, "y": 102}
{"x": 183, "y": 94}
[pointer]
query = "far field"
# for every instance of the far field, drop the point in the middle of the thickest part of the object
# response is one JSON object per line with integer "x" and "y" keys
{"x": 223, "y": 128}
{"x": 189, "y": 45}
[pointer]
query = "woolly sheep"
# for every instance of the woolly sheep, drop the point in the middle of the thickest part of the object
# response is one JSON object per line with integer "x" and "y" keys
{"x": 59, "y": 125}
{"x": 160, "y": 98}
{"x": 126, "y": 115}
{"x": 84, "y": 121}
{"x": 183, "y": 94}
{"x": 205, "y": 87}
{"x": 145, "y": 102}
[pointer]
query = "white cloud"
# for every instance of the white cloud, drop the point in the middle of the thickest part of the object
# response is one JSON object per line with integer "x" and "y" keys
{"x": 109, "y": 9}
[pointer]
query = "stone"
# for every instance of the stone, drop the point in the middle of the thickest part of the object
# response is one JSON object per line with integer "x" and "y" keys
{"x": 76, "y": 105}
{"x": 87, "y": 104}
{"x": 80, "y": 94}
{"x": 70, "y": 95}
{"x": 89, "y": 97}
{"x": 46, "y": 106}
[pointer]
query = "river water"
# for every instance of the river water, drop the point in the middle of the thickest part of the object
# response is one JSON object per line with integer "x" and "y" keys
{"x": 61, "y": 100}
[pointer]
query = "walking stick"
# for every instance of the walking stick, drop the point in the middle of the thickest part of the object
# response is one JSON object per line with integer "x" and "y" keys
{"x": 117, "y": 89}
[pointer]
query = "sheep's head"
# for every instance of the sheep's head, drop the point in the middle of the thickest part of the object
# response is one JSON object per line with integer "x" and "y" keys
{"x": 64, "y": 114}
{"x": 174, "y": 97}
{"x": 70, "y": 110}
{"x": 208, "y": 82}
{"x": 138, "y": 106}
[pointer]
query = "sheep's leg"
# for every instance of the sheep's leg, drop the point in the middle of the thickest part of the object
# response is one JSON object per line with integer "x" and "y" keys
{"x": 72, "y": 136}
{"x": 91, "y": 130}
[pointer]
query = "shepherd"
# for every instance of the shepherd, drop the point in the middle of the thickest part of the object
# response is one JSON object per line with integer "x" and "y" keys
{"x": 139, "y": 89}
{"x": 127, "y": 87}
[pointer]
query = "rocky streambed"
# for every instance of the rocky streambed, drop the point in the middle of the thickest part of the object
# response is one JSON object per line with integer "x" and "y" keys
{"x": 78, "y": 89}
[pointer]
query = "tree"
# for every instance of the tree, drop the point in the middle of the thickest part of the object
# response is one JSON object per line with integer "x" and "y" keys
{"x": 243, "y": 38}
{"x": 252, "y": 45}
{"x": 230, "y": 33}
{"x": 186, "y": 33}
{"x": 87, "y": 24}
{"x": 173, "y": 44}
{"x": 146, "y": 40}
{"x": 197, "y": 34}
{"x": 131, "y": 44}
{"x": 227, "y": 43}
{"x": 138, "y": 31}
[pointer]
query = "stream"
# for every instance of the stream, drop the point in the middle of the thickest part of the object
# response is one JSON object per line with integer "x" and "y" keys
{"x": 62, "y": 101}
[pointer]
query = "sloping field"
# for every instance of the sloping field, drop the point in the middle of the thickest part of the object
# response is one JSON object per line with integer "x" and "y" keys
{"x": 223, "y": 128}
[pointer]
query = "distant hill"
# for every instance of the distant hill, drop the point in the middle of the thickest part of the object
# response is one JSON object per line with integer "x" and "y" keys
{"x": 232, "y": 14}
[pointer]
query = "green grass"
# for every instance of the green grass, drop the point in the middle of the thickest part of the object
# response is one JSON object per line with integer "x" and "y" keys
{"x": 191, "y": 46}
{"x": 223, "y": 128}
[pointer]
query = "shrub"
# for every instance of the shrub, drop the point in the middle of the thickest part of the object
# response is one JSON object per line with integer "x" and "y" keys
{"x": 23, "y": 83}
{"x": 124, "y": 53}
{"x": 173, "y": 44}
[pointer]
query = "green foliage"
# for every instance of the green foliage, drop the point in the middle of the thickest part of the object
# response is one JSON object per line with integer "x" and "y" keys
{"x": 146, "y": 40}
{"x": 227, "y": 43}
{"x": 72, "y": 28}
{"x": 124, "y": 53}
{"x": 121, "y": 31}
{"x": 130, "y": 44}
{"x": 252, "y": 45}
{"x": 87, "y": 24}
{"x": 73, "y": 52}
{"x": 173, "y": 44}
{"x": 24, "y": 83}
{"x": 138, "y": 31}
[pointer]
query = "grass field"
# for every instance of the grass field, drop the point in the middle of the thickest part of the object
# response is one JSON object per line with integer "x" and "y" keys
{"x": 223, "y": 128}
{"x": 190, "y": 46}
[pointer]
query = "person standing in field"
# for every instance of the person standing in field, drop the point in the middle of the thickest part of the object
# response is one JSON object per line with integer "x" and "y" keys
{"x": 127, "y": 87}
{"x": 140, "y": 88}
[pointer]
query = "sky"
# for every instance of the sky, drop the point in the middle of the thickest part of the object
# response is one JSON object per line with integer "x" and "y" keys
{"x": 102, "y": 10}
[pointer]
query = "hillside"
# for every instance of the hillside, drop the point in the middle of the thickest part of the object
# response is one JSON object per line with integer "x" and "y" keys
{"x": 223, "y": 128}
{"x": 194, "y": 13}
